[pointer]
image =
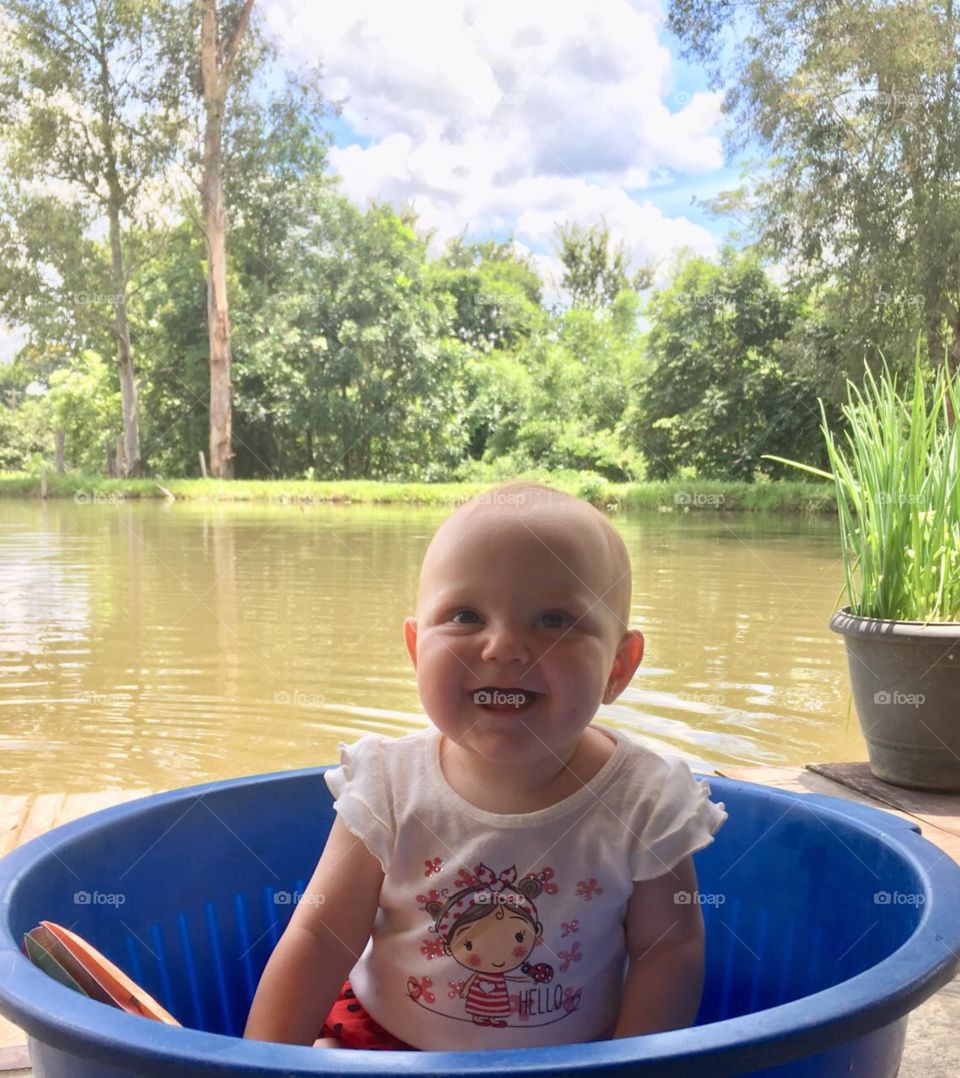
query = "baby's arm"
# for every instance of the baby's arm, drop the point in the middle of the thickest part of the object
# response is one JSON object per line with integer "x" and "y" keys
{"x": 665, "y": 942}
{"x": 326, "y": 935}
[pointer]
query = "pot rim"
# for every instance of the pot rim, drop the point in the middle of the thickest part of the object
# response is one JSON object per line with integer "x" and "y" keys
{"x": 848, "y": 624}
{"x": 788, "y": 1032}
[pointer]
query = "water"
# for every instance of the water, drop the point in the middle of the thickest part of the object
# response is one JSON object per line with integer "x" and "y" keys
{"x": 160, "y": 645}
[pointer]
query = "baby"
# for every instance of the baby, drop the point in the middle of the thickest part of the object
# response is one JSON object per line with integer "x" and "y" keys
{"x": 513, "y": 876}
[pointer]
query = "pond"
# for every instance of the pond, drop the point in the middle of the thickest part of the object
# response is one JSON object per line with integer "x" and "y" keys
{"x": 150, "y": 644}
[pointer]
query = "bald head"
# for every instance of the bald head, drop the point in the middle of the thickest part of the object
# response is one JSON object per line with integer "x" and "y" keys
{"x": 566, "y": 528}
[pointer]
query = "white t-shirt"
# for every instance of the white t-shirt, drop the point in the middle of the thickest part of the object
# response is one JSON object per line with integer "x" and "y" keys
{"x": 507, "y": 931}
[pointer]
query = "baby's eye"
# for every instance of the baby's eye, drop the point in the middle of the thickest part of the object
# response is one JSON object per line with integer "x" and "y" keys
{"x": 518, "y": 936}
{"x": 471, "y": 616}
{"x": 468, "y": 946}
{"x": 555, "y": 619}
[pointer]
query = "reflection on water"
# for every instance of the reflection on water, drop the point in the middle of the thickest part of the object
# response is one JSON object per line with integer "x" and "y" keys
{"x": 160, "y": 645}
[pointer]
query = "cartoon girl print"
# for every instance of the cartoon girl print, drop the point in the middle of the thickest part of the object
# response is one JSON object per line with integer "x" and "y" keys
{"x": 491, "y": 928}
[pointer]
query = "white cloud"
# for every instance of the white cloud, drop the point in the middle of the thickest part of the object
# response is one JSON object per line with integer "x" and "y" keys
{"x": 501, "y": 116}
{"x": 11, "y": 341}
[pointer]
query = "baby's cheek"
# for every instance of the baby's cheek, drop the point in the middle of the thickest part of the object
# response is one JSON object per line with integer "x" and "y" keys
{"x": 520, "y": 951}
{"x": 474, "y": 959}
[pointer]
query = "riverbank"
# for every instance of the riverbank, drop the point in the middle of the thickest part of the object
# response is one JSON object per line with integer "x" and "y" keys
{"x": 680, "y": 495}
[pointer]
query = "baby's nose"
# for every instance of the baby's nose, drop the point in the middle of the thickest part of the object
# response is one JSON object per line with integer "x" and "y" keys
{"x": 504, "y": 645}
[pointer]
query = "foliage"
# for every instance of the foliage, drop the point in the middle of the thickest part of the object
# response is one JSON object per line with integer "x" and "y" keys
{"x": 173, "y": 343}
{"x": 26, "y": 439}
{"x": 91, "y": 123}
{"x": 84, "y": 403}
{"x": 497, "y": 294}
{"x": 896, "y": 475}
{"x": 785, "y": 496}
{"x": 364, "y": 335}
{"x": 358, "y": 354}
{"x": 856, "y": 107}
{"x": 718, "y": 391}
{"x": 595, "y": 269}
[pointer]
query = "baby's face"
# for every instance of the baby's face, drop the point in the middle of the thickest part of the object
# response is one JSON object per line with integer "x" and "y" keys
{"x": 516, "y": 633}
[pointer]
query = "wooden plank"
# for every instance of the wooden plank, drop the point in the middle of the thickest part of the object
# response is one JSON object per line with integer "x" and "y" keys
{"x": 13, "y": 811}
{"x": 11, "y": 1036}
{"x": 797, "y": 780}
{"x": 936, "y": 809}
{"x": 807, "y": 781}
{"x": 23, "y": 817}
{"x": 77, "y": 805}
{"x": 15, "y": 1060}
{"x": 43, "y": 814}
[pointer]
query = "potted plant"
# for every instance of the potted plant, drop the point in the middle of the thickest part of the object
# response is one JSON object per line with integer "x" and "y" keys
{"x": 896, "y": 473}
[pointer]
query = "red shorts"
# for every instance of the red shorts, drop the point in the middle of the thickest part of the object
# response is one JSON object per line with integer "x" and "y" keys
{"x": 349, "y": 1022}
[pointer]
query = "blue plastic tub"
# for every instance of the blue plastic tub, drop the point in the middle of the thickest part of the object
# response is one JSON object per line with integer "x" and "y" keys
{"x": 827, "y": 922}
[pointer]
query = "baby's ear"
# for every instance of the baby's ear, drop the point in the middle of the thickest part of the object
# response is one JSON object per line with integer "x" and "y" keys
{"x": 629, "y": 655}
{"x": 410, "y": 639}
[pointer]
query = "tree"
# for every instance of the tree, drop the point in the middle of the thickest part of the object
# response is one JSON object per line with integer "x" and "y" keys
{"x": 273, "y": 149}
{"x": 85, "y": 103}
{"x": 219, "y": 46}
{"x": 497, "y": 292}
{"x": 718, "y": 394}
{"x": 857, "y": 106}
{"x": 359, "y": 360}
{"x": 173, "y": 292}
{"x": 594, "y": 269}
{"x": 82, "y": 404}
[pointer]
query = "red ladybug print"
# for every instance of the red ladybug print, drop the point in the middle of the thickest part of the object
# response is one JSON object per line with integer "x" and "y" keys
{"x": 542, "y": 973}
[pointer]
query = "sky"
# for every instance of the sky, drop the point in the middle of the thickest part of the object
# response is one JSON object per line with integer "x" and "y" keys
{"x": 506, "y": 117}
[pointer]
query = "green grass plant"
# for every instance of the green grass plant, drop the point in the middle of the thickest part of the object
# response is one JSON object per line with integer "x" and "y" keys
{"x": 896, "y": 477}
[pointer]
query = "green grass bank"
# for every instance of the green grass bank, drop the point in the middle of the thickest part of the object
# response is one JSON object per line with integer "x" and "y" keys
{"x": 680, "y": 495}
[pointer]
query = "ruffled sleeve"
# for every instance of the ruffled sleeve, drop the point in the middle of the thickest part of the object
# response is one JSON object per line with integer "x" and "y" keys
{"x": 683, "y": 820}
{"x": 363, "y": 801}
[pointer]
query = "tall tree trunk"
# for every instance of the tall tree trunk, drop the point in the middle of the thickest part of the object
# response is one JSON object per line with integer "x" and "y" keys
{"x": 129, "y": 401}
{"x": 216, "y": 71}
{"x": 218, "y": 317}
{"x": 129, "y": 398}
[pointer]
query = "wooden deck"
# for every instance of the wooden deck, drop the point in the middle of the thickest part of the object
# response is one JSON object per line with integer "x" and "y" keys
{"x": 931, "y": 1049}
{"x": 21, "y": 819}
{"x": 937, "y": 814}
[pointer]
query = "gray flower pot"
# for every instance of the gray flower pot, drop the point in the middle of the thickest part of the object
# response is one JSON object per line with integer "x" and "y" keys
{"x": 906, "y": 687}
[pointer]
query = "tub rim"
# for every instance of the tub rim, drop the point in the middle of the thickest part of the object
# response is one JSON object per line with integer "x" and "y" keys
{"x": 776, "y": 1035}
